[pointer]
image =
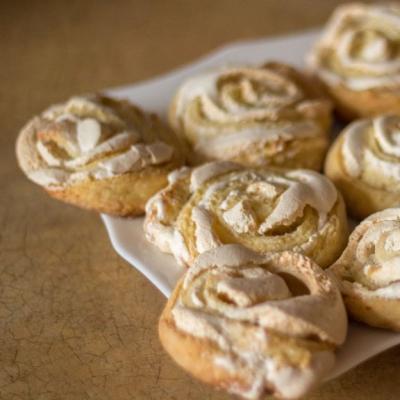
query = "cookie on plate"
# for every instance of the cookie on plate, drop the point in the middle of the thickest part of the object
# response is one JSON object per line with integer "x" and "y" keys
{"x": 358, "y": 59}
{"x": 364, "y": 163}
{"x": 263, "y": 209}
{"x": 368, "y": 271}
{"x": 255, "y": 324}
{"x": 268, "y": 115}
{"x": 99, "y": 153}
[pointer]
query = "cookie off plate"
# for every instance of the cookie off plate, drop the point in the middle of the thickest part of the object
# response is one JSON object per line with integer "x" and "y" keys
{"x": 127, "y": 236}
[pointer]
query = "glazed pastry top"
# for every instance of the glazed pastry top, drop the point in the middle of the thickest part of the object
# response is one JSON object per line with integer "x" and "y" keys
{"x": 370, "y": 151}
{"x": 221, "y": 202}
{"x": 360, "y": 47}
{"x": 369, "y": 265}
{"x": 91, "y": 137}
{"x": 235, "y": 106}
{"x": 280, "y": 306}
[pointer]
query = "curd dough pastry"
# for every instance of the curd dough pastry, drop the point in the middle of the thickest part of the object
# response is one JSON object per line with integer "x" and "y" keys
{"x": 358, "y": 59}
{"x": 256, "y": 116}
{"x": 255, "y": 324}
{"x": 99, "y": 153}
{"x": 369, "y": 270}
{"x": 364, "y": 163}
{"x": 265, "y": 210}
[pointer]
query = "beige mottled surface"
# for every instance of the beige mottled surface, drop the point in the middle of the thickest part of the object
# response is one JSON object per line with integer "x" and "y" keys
{"x": 77, "y": 322}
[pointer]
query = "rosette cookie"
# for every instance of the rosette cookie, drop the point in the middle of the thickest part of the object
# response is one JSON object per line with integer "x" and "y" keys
{"x": 369, "y": 270}
{"x": 99, "y": 153}
{"x": 264, "y": 210}
{"x": 364, "y": 163}
{"x": 358, "y": 59}
{"x": 255, "y": 324}
{"x": 256, "y": 116}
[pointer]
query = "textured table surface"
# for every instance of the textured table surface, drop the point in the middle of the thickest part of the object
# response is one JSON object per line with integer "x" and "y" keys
{"x": 76, "y": 321}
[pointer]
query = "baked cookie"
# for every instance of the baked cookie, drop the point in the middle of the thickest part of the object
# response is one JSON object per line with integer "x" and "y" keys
{"x": 99, "y": 153}
{"x": 264, "y": 210}
{"x": 255, "y": 324}
{"x": 369, "y": 270}
{"x": 256, "y": 116}
{"x": 364, "y": 163}
{"x": 358, "y": 59}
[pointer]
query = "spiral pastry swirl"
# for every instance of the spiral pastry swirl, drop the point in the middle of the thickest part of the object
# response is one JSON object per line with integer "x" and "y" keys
{"x": 269, "y": 115}
{"x": 264, "y": 210}
{"x": 369, "y": 270}
{"x": 364, "y": 162}
{"x": 255, "y": 324}
{"x": 358, "y": 58}
{"x": 92, "y": 139}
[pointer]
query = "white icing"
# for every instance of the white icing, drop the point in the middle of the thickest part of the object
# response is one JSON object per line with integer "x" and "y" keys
{"x": 205, "y": 238}
{"x": 47, "y": 155}
{"x": 159, "y": 152}
{"x": 178, "y": 174}
{"x": 353, "y": 143}
{"x": 256, "y": 284}
{"x": 116, "y": 143}
{"x": 208, "y": 171}
{"x": 311, "y": 189}
{"x": 168, "y": 240}
{"x": 128, "y": 161}
{"x": 389, "y": 292}
{"x": 385, "y": 168}
{"x": 375, "y": 51}
{"x": 240, "y": 217}
{"x": 88, "y": 132}
{"x": 388, "y": 139}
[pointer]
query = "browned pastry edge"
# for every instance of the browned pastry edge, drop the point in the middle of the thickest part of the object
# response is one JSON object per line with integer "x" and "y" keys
{"x": 361, "y": 198}
{"x": 123, "y": 195}
{"x": 352, "y": 104}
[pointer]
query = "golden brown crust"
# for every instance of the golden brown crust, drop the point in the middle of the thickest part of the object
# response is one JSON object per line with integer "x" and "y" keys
{"x": 351, "y": 104}
{"x": 376, "y": 312}
{"x": 123, "y": 195}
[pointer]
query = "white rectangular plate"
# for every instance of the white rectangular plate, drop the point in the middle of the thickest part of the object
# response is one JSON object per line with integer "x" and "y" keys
{"x": 127, "y": 235}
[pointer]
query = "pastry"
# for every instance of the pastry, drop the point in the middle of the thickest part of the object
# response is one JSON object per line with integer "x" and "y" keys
{"x": 256, "y": 116}
{"x": 364, "y": 163}
{"x": 358, "y": 59}
{"x": 265, "y": 210}
{"x": 99, "y": 153}
{"x": 369, "y": 270}
{"x": 255, "y": 324}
